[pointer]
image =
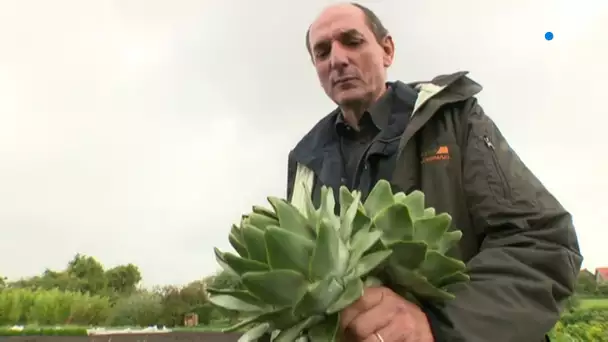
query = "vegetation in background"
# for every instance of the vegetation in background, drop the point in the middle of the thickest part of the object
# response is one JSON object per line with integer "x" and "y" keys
{"x": 86, "y": 294}
{"x": 586, "y": 315}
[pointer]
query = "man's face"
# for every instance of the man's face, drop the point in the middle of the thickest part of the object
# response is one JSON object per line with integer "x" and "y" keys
{"x": 350, "y": 63}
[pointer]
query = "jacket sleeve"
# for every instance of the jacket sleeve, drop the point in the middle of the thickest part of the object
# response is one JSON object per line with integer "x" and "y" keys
{"x": 529, "y": 255}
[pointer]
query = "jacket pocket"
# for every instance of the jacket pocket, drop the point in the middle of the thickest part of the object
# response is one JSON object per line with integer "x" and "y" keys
{"x": 504, "y": 180}
{"x": 497, "y": 181}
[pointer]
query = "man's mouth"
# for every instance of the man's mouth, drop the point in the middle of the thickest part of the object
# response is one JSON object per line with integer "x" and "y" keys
{"x": 344, "y": 80}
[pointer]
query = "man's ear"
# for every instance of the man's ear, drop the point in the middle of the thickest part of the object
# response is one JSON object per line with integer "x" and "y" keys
{"x": 389, "y": 50}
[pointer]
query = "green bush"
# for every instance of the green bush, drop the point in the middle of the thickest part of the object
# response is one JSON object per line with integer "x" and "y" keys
{"x": 580, "y": 332}
{"x": 585, "y": 316}
{"x": 178, "y": 301}
{"x": 582, "y": 325}
{"x": 139, "y": 309}
{"x": 210, "y": 315}
{"x": 47, "y": 307}
{"x": 573, "y": 303}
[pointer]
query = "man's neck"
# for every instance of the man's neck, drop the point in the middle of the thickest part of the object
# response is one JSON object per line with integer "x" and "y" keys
{"x": 352, "y": 113}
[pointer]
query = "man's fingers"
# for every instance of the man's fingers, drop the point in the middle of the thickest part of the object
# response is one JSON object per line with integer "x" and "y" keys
{"x": 380, "y": 315}
{"x": 371, "y": 298}
{"x": 375, "y": 338}
{"x": 391, "y": 332}
{"x": 368, "y": 322}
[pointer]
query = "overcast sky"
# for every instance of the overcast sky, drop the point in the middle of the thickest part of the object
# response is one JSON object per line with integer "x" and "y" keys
{"x": 139, "y": 131}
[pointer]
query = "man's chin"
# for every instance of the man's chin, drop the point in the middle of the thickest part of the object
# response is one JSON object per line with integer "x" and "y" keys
{"x": 349, "y": 98}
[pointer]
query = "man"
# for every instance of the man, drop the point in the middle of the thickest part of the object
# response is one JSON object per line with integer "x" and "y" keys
{"x": 518, "y": 241}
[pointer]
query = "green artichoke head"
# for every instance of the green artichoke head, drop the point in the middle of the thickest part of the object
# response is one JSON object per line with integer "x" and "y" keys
{"x": 299, "y": 265}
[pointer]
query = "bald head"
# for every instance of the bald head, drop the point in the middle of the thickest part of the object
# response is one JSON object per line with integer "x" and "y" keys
{"x": 350, "y": 49}
{"x": 373, "y": 22}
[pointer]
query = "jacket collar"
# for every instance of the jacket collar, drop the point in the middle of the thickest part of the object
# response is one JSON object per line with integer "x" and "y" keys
{"x": 377, "y": 115}
{"x": 322, "y": 137}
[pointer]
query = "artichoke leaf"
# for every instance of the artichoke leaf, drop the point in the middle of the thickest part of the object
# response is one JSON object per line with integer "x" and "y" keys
{"x": 291, "y": 218}
{"x": 449, "y": 241}
{"x": 237, "y": 265}
{"x": 408, "y": 254}
{"x": 418, "y": 285}
{"x": 318, "y": 297}
{"x": 415, "y": 203}
{"x": 276, "y": 287}
{"x": 238, "y": 246}
{"x": 361, "y": 243}
{"x": 361, "y": 221}
{"x": 254, "y": 241}
{"x": 238, "y": 294}
{"x": 432, "y": 229}
{"x": 454, "y": 278}
{"x": 260, "y": 221}
{"x": 352, "y": 292}
{"x": 240, "y": 265}
{"x": 371, "y": 261}
{"x": 286, "y": 250}
{"x": 347, "y": 220}
{"x": 258, "y": 209}
{"x": 399, "y": 197}
{"x": 395, "y": 223}
{"x": 253, "y": 334}
{"x": 309, "y": 211}
{"x": 269, "y": 317}
{"x": 326, "y": 331}
{"x": 379, "y": 198}
{"x": 326, "y": 211}
{"x": 293, "y": 333}
{"x": 346, "y": 199}
{"x": 437, "y": 265}
{"x": 236, "y": 231}
{"x": 429, "y": 212}
{"x": 330, "y": 256}
{"x": 233, "y": 303}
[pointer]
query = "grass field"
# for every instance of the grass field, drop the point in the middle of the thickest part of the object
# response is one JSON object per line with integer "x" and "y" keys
{"x": 594, "y": 303}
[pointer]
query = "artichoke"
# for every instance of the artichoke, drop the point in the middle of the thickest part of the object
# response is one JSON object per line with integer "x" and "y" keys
{"x": 299, "y": 265}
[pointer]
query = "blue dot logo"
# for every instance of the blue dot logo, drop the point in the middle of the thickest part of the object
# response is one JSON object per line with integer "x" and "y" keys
{"x": 549, "y": 36}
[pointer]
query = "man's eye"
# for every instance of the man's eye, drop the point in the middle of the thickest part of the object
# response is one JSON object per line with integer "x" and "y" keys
{"x": 321, "y": 53}
{"x": 352, "y": 42}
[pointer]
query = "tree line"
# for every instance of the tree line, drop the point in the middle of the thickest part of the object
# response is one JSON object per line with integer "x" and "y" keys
{"x": 114, "y": 298}
{"x": 128, "y": 304}
{"x": 588, "y": 285}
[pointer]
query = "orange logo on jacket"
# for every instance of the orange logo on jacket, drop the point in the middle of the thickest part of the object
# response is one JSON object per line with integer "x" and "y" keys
{"x": 442, "y": 153}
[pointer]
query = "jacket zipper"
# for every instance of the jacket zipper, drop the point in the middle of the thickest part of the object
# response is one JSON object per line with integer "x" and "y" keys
{"x": 503, "y": 178}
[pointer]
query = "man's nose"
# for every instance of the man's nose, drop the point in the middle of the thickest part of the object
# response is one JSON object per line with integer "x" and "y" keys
{"x": 338, "y": 57}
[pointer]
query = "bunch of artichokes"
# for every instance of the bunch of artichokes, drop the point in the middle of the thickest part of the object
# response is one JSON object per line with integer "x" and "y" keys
{"x": 300, "y": 265}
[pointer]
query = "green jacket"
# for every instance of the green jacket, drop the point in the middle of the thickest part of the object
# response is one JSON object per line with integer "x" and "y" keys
{"x": 518, "y": 241}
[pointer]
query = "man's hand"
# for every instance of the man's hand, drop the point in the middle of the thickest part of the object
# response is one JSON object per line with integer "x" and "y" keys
{"x": 381, "y": 315}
